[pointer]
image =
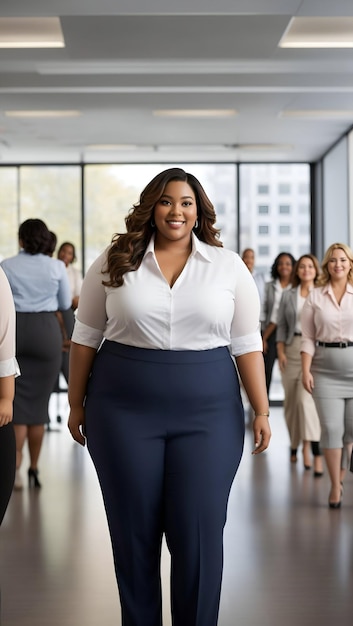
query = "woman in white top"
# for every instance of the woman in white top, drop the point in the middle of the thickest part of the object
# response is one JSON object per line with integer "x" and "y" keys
{"x": 299, "y": 407}
{"x": 327, "y": 360}
{"x": 67, "y": 254}
{"x": 159, "y": 402}
{"x": 281, "y": 273}
{"x": 8, "y": 370}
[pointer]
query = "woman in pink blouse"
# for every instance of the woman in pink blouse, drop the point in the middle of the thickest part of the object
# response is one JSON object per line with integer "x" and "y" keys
{"x": 327, "y": 361}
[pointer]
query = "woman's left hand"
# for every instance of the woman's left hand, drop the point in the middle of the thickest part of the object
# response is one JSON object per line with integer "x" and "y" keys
{"x": 262, "y": 433}
{"x": 5, "y": 412}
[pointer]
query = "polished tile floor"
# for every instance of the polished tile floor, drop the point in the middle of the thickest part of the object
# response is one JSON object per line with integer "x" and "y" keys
{"x": 288, "y": 558}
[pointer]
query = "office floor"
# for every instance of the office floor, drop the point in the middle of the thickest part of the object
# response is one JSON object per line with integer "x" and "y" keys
{"x": 288, "y": 558}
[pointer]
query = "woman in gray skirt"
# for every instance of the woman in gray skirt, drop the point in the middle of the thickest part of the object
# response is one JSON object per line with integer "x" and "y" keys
{"x": 327, "y": 361}
{"x": 40, "y": 287}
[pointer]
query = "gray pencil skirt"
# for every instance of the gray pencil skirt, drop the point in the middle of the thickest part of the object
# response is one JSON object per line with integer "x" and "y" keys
{"x": 38, "y": 351}
{"x": 332, "y": 369}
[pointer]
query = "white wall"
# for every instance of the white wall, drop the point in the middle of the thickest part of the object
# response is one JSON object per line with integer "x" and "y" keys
{"x": 335, "y": 195}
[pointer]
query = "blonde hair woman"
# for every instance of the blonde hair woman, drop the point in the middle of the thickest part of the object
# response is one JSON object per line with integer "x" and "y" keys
{"x": 327, "y": 360}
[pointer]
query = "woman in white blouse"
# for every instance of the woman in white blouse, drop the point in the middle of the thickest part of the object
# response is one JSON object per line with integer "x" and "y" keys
{"x": 67, "y": 254}
{"x": 8, "y": 370}
{"x": 159, "y": 402}
{"x": 327, "y": 361}
{"x": 281, "y": 273}
{"x": 299, "y": 407}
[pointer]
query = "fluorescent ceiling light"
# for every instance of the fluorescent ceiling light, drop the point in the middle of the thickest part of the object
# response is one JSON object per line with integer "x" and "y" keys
{"x": 116, "y": 146}
{"x": 319, "y": 114}
{"x": 318, "y": 32}
{"x": 31, "y": 32}
{"x": 263, "y": 147}
{"x": 195, "y": 112}
{"x": 41, "y": 114}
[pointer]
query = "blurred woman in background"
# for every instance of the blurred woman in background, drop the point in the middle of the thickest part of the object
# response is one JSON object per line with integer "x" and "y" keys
{"x": 281, "y": 273}
{"x": 40, "y": 287}
{"x": 299, "y": 407}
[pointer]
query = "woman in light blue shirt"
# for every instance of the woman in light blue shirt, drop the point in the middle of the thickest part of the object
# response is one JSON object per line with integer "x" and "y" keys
{"x": 39, "y": 287}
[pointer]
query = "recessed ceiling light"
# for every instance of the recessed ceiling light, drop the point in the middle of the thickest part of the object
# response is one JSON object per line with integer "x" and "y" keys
{"x": 50, "y": 114}
{"x": 195, "y": 112}
{"x": 266, "y": 147}
{"x": 318, "y": 32}
{"x": 111, "y": 146}
{"x": 31, "y": 32}
{"x": 318, "y": 114}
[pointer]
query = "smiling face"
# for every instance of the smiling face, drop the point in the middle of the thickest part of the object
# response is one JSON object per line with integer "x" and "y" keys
{"x": 175, "y": 213}
{"x": 284, "y": 267}
{"x": 306, "y": 270}
{"x": 338, "y": 265}
{"x": 66, "y": 254}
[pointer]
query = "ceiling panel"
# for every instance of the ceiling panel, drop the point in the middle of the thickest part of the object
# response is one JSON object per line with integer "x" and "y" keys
{"x": 123, "y": 60}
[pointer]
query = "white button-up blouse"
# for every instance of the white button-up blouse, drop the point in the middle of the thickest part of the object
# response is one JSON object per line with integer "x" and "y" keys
{"x": 213, "y": 303}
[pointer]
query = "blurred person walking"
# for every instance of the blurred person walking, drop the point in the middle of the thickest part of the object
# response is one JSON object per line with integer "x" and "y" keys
{"x": 299, "y": 407}
{"x": 40, "y": 287}
{"x": 281, "y": 273}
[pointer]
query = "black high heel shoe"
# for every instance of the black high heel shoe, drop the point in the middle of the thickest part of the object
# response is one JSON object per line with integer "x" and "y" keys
{"x": 33, "y": 480}
{"x": 336, "y": 505}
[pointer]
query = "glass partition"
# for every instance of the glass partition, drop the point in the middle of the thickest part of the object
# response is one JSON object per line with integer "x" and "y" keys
{"x": 9, "y": 212}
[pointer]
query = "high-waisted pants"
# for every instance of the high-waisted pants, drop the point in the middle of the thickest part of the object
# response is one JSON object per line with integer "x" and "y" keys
{"x": 165, "y": 430}
{"x": 7, "y": 465}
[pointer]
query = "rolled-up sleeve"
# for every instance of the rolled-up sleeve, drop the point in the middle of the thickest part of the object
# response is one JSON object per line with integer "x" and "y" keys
{"x": 8, "y": 362}
{"x": 91, "y": 316}
{"x": 245, "y": 331}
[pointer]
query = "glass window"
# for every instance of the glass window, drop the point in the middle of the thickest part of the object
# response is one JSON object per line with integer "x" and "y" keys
{"x": 263, "y": 209}
{"x": 53, "y": 194}
{"x": 280, "y": 179}
{"x": 284, "y": 229}
{"x": 263, "y": 230}
{"x": 284, "y": 188}
{"x": 304, "y": 229}
{"x": 303, "y": 250}
{"x": 263, "y": 189}
{"x": 303, "y": 188}
{"x": 284, "y": 209}
{"x": 251, "y": 176}
{"x": 8, "y": 212}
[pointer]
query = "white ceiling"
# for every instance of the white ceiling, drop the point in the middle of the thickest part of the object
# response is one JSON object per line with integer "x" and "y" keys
{"x": 124, "y": 59}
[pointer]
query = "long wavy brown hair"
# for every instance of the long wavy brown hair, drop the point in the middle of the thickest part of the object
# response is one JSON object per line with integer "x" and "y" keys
{"x": 325, "y": 276}
{"x": 127, "y": 249}
{"x": 315, "y": 262}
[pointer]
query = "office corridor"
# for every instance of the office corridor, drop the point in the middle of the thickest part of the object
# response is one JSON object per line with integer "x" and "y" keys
{"x": 288, "y": 558}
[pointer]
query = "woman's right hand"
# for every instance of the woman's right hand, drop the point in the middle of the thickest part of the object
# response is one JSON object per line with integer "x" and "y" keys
{"x": 308, "y": 381}
{"x": 76, "y": 425}
{"x": 282, "y": 362}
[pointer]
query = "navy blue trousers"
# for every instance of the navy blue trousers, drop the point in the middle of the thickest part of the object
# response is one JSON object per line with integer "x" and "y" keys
{"x": 7, "y": 466}
{"x": 165, "y": 430}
